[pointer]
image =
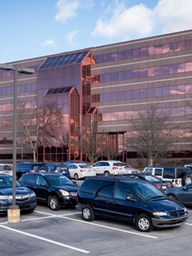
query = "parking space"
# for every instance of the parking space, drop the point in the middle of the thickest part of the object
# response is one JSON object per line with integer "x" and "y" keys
{"x": 63, "y": 232}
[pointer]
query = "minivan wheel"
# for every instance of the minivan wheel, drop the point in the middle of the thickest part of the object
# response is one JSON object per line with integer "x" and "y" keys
{"x": 186, "y": 179}
{"x": 87, "y": 213}
{"x": 53, "y": 203}
{"x": 143, "y": 223}
{"x": 106, "y": 173}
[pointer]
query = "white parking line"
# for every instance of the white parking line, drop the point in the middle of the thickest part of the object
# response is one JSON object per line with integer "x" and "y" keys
{"x": 63, "y": 216}
{"x": 46, "y": 240}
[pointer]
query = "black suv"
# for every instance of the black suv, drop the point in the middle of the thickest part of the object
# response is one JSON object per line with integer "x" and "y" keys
{"x": 56, "y": 190}
{"x": 131, "y": 200}
{"x": 25, "y": 167}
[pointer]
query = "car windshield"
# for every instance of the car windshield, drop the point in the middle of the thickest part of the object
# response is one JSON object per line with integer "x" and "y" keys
{"x": 58, "y": 180}
{"x": 146, "y": 191}
{"x": 6, "y": 182}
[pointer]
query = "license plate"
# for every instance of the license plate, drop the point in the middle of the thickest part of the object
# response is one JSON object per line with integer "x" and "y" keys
{"x": 73, "y": 193}
{"x": 164, "y": 187}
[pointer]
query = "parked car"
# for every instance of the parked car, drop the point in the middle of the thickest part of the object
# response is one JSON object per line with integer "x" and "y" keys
{"x": 6, "y": 168}
{"x": 157, "y": 182}
{"x": 80, "y": 171}
{"x": 58, "y": 168}
{"x": 110, "y": 167}
{"x": 130, "y": 169}
{"x": 74, "y": 162}
{"x": 54, "y": 189}
{"x": 188, "y": 166}
{"x": 131, "y": 200}
{"x": 181, "y": 194}
{"x": 178, "y": 175}
{"x": 25, "y": 167}
{"x": 25, "y": 198}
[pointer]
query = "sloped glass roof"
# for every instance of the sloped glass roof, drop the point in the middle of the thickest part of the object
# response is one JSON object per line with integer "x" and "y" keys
{"x": 63, "y": 60}
{"x": 59, "y": 90}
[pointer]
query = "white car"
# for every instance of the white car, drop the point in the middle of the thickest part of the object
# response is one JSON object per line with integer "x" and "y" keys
{"x": 80, "y": 171}
{"x": 6, "y": 169}
{"x": 130, "y": 169}
{"x": 110, "y": 167}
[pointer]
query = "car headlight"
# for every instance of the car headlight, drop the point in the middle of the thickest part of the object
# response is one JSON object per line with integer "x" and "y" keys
{"x": 160, "y": 214}
{"x": 185, "y": 209}
{"x": 33, "y": 194}
{"x": 64, "y": 192}
{"x": 5, "y": 197}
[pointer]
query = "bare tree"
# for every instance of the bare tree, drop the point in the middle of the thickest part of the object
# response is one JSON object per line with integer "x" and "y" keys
{"x": 152, "y": 133}
{"x": 91, "y": 143}
{"x": 39, "y": 125}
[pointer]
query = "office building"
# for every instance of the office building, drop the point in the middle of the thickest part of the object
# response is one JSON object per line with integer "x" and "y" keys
{"x": 102, "y": 84}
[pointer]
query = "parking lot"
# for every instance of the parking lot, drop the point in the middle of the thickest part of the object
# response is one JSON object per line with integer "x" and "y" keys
{"x": 63, "y": 232}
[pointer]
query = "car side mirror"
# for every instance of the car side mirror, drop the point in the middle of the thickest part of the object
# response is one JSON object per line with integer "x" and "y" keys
{"x": 43, "y": 184}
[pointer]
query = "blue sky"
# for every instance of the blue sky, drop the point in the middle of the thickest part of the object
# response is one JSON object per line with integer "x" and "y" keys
{"x": 35, "y": 28}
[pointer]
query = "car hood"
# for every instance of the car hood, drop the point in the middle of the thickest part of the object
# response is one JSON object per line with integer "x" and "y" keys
{"x": 166, "y": 204}
{"x": 19, "y": 190}
{"x": 69, "y": 188}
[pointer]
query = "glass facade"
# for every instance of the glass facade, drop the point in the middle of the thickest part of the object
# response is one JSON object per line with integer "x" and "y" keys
{"x": 104, "y": 85}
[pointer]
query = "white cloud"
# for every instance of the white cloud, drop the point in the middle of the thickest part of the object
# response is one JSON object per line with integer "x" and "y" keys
{"x": 69, "y": 8}
{"x": 49, "y": 43}
{"x": 71, "y": 37}
{"x": 66, "y": 9}
{"x": 126, "y": 23}
{"x": 173, "y": 15}
{"x": 140, "y": 21}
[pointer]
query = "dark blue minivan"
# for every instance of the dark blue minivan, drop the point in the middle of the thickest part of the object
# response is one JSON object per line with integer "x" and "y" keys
{"x": 131, "y": 200}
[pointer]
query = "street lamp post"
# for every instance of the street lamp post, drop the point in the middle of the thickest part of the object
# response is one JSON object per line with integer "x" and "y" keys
{"x": 14, "y": 208}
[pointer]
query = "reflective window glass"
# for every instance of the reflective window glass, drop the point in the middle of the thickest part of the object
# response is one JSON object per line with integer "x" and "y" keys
{"x": 166, "y": 48}
{"x": 143, "y": 52}
{"x": 135, "y": 53}
{"x": 151, "y": 50}
{"x": 129, "y": 94}
{"x": 113, "y": 56}
{"x": 143, "y": 73}
{"x": 128, "y": 54}
{"x": 189, "y": 66}
{"x": 173, "y": 47}
{"x": 173, "y": 68}
{"x": 158, "y": 49}
{"x": 121, "y": 55}
{"x": 181, "y": 46}
{"x": 189, "y": 45}
{"x": 136, "y": 73}
{"x": 166, "y": 70}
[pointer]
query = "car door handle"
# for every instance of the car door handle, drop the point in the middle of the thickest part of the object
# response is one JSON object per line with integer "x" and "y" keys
{"x": 110, "y": 202}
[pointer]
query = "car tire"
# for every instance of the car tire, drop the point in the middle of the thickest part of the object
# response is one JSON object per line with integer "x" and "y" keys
{"x": 87, "y": 213}
{"x": 143, "y": 223}
{"x": 53, "y": 203}
{"x": 106, "y": 173}
{"x": 186, "y": 179}
{"x": 172, "y": 196}
{"x": 76, "y": 176}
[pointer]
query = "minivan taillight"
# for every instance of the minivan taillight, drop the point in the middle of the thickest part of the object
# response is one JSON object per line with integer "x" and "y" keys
{"x": 115, "y": 167}
{"x": 77, "y": 198}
